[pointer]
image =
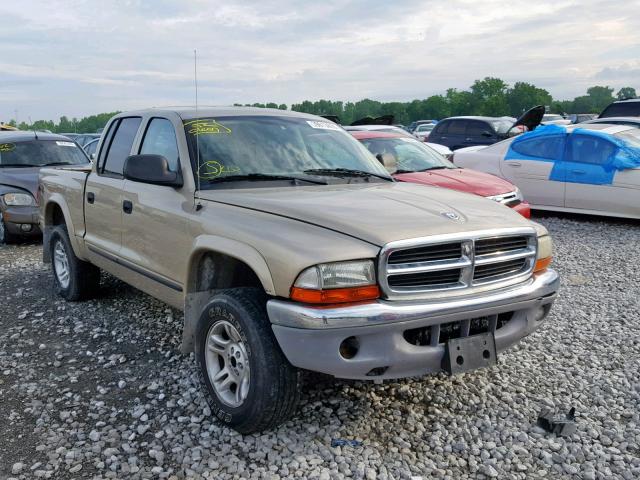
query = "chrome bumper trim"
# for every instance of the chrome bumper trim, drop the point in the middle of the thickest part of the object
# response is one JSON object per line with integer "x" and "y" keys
{"x": 296, "y": 315}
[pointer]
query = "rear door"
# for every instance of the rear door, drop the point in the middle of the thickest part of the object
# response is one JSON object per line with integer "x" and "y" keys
{"x": 456, "y": 134}
{"x": 439, "y": 134}
{"x": 155, "y": 227}
{"x": 534, "y": 166}
{"x": 103, "y": 192}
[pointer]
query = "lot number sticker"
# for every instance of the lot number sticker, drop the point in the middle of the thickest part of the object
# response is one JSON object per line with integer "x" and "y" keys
{"x": 65, "y": 144}
{"x": 323, "y": 125}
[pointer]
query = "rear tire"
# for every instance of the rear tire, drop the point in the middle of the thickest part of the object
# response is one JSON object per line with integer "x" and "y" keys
{"x": 74, "y": 279}
{"x": 250, "y": 385}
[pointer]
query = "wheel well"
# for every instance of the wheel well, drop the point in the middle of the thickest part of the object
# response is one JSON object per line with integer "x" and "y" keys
{"x": 54, "y": 215}
{"x": 214, "y": 270}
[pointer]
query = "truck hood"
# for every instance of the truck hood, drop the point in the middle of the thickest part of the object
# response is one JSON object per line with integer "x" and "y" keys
{"x": 377, "y": 213}
{"x": 463, "y": 180}
{"x": 22, "y": 178}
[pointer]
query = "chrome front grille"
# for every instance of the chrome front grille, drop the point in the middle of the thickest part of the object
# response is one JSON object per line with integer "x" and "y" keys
{"x": 448, "y": 265}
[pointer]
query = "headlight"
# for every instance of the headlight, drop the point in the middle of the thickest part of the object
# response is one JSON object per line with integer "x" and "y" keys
{"x": 337, "y": 282}
{"x": 545, "y": 253}
{"x": 508, "y": 197}
{"x": 19, "y": 199}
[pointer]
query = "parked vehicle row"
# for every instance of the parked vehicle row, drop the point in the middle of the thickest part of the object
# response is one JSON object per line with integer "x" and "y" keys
{"x": 289, "y": 247}
{"x": 588, "y": 168}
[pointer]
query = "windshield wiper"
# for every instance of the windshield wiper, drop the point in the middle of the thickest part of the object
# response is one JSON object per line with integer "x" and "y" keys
{"x": 17, "y": 165}
{"x": 261, "y": 176}
{"x": 345, "y": 172}
{"x": 54, "y": 164}
{"x": 439, "y": 167}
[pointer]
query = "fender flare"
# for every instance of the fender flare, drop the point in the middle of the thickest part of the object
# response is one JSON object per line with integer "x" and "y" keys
{"x": 58, "y": 200}
{"x": 194, "y": 301}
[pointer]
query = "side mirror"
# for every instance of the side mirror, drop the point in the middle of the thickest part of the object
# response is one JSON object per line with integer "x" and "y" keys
{"x": 487, "y": 134}
{"x": 153, "y": 169}
{"x": 388, "y": 161}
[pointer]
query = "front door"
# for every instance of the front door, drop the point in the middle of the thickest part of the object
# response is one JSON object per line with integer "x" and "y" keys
{"x": 593, "y": 183}
{"x": 103, "y": 193}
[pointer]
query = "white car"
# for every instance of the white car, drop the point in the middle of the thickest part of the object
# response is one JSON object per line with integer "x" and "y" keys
{"x": 587, "y": 168}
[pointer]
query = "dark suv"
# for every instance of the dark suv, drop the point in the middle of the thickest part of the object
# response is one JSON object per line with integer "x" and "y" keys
{"x": 459, "y": 132}
{"x": 622, "y": 108}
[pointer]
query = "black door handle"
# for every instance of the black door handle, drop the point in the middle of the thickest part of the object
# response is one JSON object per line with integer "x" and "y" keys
{"x": 127, "y": 206}
{"x": 91, "y": 197}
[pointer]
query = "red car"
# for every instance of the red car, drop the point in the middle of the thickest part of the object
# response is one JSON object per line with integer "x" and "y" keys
{"x": 417, "y": 163}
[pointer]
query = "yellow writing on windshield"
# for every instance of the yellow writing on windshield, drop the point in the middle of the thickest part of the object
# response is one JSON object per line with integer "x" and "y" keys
{"x": 213, "y": 169}
{"x": 203, "y": 127}
{"x": 7, "y": 147}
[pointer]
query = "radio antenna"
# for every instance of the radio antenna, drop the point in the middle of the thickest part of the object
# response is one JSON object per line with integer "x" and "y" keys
{"x": 196, "y": 204}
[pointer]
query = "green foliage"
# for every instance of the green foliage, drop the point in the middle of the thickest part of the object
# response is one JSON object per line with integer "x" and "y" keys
{"x": 626, "y": 92}
{"x": 490, "y": 96}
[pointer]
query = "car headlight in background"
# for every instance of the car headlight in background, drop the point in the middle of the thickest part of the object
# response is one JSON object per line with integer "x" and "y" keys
{"x": 18, "y": 199}
{"x": 338, "y": 282}
{"x": 515, "y": 195}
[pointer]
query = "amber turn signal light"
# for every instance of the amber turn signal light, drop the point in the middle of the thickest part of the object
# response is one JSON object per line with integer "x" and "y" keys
{"x": 542, "y": 264}
{"x": 335, "y": 295}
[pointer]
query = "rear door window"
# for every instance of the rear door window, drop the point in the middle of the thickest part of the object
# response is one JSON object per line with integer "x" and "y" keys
{"x": 457, "y": 127}
{"x": 441, "y": 128}
{"x": 590, "y": 149}
{"x": 543, "y": 147}
{"x": 160, "y": 139}
{"x": 121, "y": 144}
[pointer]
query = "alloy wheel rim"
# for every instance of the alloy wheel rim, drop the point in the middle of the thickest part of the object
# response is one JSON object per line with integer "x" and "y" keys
{"x": 227, "y": 364}
{"x": 61, "y": 264}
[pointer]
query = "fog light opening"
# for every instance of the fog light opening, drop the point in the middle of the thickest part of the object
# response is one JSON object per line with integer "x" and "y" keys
{"x": 376, "y": 372}
{"x": 349, "y": 348}
{"x": 25, "y": 227}
{"x": 459, "y": 360}
{"x": 486, "y": 354}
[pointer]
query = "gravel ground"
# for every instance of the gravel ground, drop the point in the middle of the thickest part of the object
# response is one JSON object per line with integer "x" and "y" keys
{"x": 100, "y": 390}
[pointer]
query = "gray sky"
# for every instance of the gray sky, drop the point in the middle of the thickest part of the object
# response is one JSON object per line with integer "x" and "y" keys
{"x": 79, "y": 57}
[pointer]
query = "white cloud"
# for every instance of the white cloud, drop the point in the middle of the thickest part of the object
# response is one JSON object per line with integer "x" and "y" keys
{"x": 84, "y": 56}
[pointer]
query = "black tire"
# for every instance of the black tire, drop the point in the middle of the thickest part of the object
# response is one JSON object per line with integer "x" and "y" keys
{"x": 274, "y": 386}
{"x": 84, "y": 278}
{"x": 6, "y": 236}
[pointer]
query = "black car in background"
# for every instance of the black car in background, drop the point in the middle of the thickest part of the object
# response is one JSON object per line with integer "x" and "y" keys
{"x": 460, "y": 132}
{"x": 622, "y": 108}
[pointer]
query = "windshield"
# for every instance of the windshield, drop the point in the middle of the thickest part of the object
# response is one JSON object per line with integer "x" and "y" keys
{"x": 410, "y": 154}
{"x": 622, "y": 109}
{"x": 501, "y": 126}
{"x": 551, "y": 118}
{"x": 40, "y": 153}
{"x": 425, "y": 127}
{"x": 276, "y": 146}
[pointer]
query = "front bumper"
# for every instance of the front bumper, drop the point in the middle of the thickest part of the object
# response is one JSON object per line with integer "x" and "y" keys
{"x": 310, "y": 337}
{"x": 15, "y": 217}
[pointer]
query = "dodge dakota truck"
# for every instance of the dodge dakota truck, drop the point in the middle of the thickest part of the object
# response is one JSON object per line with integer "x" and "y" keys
{"x": 289, "y": 248}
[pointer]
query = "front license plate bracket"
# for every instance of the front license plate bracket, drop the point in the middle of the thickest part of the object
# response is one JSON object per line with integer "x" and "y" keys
{"x": 470, "y": 353}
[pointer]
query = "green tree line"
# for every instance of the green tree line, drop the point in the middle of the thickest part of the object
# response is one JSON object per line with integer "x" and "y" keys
{"x": 489, "y": 96}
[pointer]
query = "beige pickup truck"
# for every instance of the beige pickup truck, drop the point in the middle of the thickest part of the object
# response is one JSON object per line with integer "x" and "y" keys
{"x": 289, "y": 247}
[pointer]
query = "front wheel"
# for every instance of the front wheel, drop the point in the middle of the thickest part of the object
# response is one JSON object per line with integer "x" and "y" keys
{"x": 250, "y": 384}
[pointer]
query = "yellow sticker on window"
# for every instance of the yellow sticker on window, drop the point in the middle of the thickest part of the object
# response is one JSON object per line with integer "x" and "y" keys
{"x": 7, "y": 147}
{"x": 203, "y": 127}
{"x": 213, "y": 169}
